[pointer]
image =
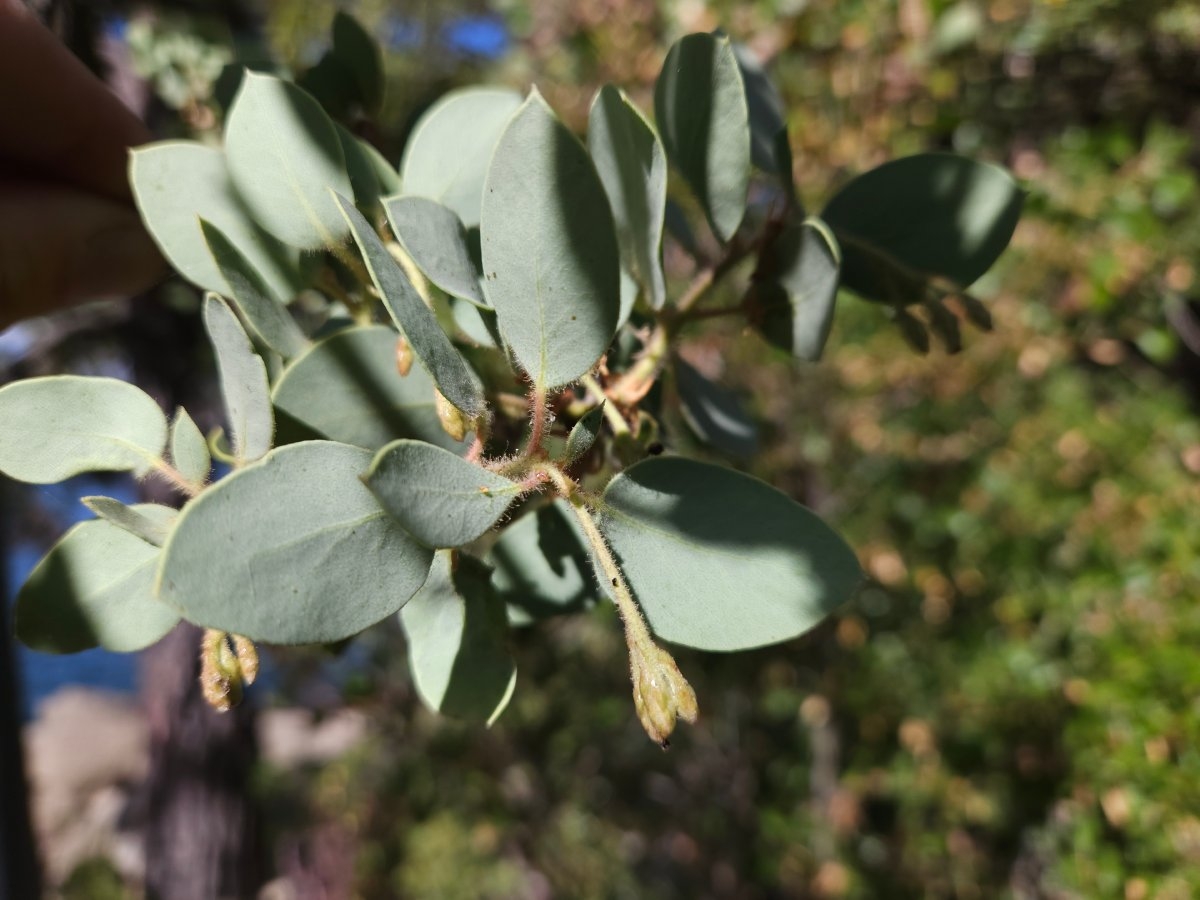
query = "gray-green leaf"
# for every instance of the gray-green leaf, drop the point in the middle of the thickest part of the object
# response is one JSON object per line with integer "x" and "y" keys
{"x": 930, "y": 215}
{"x": 720, "y": 561}
{"x": 541, "y": 566}
{"x": 385, "y": 172}
{"x": 765, "y": 108}
{"x": 349, "y": 78}
{"x": 178, "y": 183}
{"x": 284, "y": 156}
{"x": 244, "y": 383}
{"x": 441, "y": 499}
{"x": 700, "y": 105}
{"x": 795, "y": 288}
{"x": 783, "y": 162}
{"x": 360, "y": 53}
{"x": 189, "y": 449}
{"x": 633, "y": 168}
{"x": 62, "y": 425}
{"x": 292, "y": 549}
{"x": 550, "y": 258}
{"x": 477, "y": 322}
{"x": 360, "y": 167}
{"x": 247, "y": 288}
{"x": 715, "y": 413}
{"x": 454, "y": 378}
{"x": 447, "y": 157}
{"x": 95, "y": 588}
{"x": 583, "y": 435}
{"x": 346, "y": 388}
{"x": 456, "y": 641}
{"x": 437, "y": 242}
{"x": 150, "y": 528}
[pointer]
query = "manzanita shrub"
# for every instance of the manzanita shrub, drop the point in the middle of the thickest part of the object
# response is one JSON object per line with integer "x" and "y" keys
{"x": 465, "y": 429}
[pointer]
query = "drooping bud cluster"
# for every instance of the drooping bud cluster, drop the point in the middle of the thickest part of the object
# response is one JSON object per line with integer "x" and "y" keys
{"x": 228, "y": 663}
{"x": 660, "y": 692}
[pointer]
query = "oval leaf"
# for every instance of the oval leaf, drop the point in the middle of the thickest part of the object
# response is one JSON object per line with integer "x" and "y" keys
{"x": 550, "y": 259}
{"x": 454, "y": 378}
{"x": 541, "y": 567}
{"x": 346, "y": 388}
{"x": 360, "y": 53}
{"x": 795, "y": 289}
{"x": 292, "y": 549}
{"x": 930, "y": 215}
{"x": 95, "y": 588}
{"x": 765, "y": 108}
{"x": 447, "y": 157}
{"x": 720, "y": 561}
{"x": 441, "y": 499}
{"x": 360, "y": 167}
{"x": 62, "y": 425}
{"x": 715, "y": 413}
{"x": 478, "y": 323}
{"x": 385, "y": 172}
{"x": 633, "y": 168}
{"x": 243, "y": 382}
{"x": 331, "y": 83}
{"x": 178, "y": 183}
{"x": 189, "y": 449}
{"x": 700, "y": 105}
{"x": 437, "y": 242}
{"x": 247, "y": 288}
{"x": 284, "y": 156}
{"x": 456, "y": 641}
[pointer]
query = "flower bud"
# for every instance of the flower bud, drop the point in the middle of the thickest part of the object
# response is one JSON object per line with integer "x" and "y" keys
{"x": 221, "y": 673}
{"x": 454, "y": 423}
{"x": 660, "y": 692}
{"x": 404, "y": 356}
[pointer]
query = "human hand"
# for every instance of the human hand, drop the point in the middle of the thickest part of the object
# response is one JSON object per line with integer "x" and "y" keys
{"x": 68, "y": 230}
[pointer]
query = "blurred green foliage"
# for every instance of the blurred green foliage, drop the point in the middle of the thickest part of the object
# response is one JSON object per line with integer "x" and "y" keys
{"x": 1012, "y": 709}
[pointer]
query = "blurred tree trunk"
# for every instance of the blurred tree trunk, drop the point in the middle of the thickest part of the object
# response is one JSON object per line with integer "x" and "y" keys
{"x": 19, "y": 874}
{"x": 202, "y": 839}
{"x": 201, "y": 830}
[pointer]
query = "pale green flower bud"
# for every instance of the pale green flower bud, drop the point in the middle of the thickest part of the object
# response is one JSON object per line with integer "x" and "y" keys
{"x": 660, "y": 692}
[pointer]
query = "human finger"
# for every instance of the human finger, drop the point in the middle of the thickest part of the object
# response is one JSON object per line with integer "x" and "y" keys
{"x": 57, "y": 120}
{"x": 60, "y": 246}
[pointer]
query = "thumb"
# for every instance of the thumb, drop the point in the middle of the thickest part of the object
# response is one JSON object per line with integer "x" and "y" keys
{"x": 60, "y": 245}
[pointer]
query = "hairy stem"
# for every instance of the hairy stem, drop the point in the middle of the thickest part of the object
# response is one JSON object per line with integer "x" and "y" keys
{"x": 637, "y": 634}
{"x": 537, "y": 415}
{"x": 475, "y": 453}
